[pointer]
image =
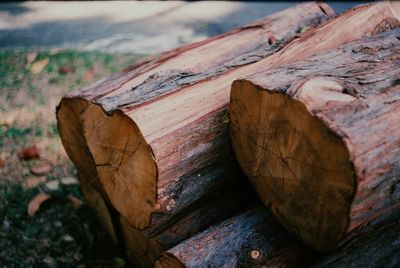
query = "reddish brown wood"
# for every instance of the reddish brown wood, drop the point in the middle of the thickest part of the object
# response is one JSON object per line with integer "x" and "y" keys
{"x": 132, "y": 146}
{"x": 249, "y": 239}
{"x": 377, "y": 246}
{"x": 151, "y": 141}
{"x": 319, "y": 139}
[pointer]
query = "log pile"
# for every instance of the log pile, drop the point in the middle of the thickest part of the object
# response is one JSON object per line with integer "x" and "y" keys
{"x": 151, "y": 143}
{"x": 153, "y": 152}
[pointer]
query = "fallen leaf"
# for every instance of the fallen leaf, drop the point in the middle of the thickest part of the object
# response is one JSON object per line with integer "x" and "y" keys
{"x": 68, "y": 238}
{"x": 38, "y": 66}
{"x": 41, "y": 169}
{"x": 66, "y": 69}
{"x": 69, "y": 181}
{"x": 2, "y": 163}
{"x": 49, "y": 261}
{"x": 88, "y": 76}
{"x": 75, "y": 202}
{"x": 36, "y": 202}
{"x": 53, "y": 185}
{"x": 6, "y": 122}
{"x": 31, "y": 56}
{"x": 33, "y": 182}
{"x": 28, "y": 153}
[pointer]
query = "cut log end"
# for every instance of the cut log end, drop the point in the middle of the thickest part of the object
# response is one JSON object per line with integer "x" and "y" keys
{"x": 306, "y": 160}
{"x": 140, "y": 250}
{"x": 125, "y": 165}
{"x": 70, "y": 126}
{"x": 95, "y": 201}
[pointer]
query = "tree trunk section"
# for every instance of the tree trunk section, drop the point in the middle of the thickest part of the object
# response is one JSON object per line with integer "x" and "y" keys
{"x": 379, "y": 246}
{"x": 250, "y": 239}
{"x": 319, "y": 139}
{"x": 151, "y": 127}
{"x": 151, "y": 141}
{"x": 212, "y": 204}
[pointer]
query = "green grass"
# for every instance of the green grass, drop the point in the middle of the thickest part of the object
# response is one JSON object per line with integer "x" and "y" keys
{"x": 27, "y": 115}
{"x": 36, "y": 95}
{"x": 16, "y": 74}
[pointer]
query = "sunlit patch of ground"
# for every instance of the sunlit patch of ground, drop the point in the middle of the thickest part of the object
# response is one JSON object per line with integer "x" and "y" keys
{"x": 58, "y": 235}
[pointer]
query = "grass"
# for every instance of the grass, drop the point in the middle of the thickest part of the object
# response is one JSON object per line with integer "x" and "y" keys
{"x": 59, "y": 235}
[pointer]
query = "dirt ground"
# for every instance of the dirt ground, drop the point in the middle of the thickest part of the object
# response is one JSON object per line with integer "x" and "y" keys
{"x": 60, "y": 231}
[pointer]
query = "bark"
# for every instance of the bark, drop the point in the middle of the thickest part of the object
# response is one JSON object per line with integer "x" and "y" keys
{"x": 162, "y": 130}
{"x": 378, "y": 247}
{"x": 151, "y": 141}
{"x": 137, "y": 144}
{"x": 211, "y": 206}
{"x": 250, "y": 239}
{"x": 319, "y": 139}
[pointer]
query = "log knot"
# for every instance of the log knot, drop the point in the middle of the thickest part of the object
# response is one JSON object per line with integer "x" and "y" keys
{"x": 255, "y": 254}
{"x": 316, "y": 92}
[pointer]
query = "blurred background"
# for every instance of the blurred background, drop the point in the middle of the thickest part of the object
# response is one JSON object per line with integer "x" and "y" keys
{"x": 48, "y": 49}
{"x": 138, "y": 27}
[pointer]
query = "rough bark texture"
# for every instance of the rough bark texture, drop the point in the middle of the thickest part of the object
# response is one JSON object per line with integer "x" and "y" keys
{"x": 379, "y": 246}
{"x": 151, "y": 141}
{"x": 250, "y": 239}
{"x": 162, "y": 130}
{"x": 319, "y": 139}
{"x": 212, "y": 205}
{"x": 130, "y": 148}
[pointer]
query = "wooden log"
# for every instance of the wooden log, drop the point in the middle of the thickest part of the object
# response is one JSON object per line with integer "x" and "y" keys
{"x": 319, "y": 139}
{"x": 250, "y": 239}
{"x": 183, "y": 127}
{"x": 211, "y": 206}
{"x": 144, "y": 142}
{"x": 142, "y": 160}
{"x": 79, "y": 154}
{"x": 378, "y": 246}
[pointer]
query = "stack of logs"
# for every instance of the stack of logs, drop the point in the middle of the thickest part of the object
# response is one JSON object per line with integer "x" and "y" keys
{"x": 313, "y": 121}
